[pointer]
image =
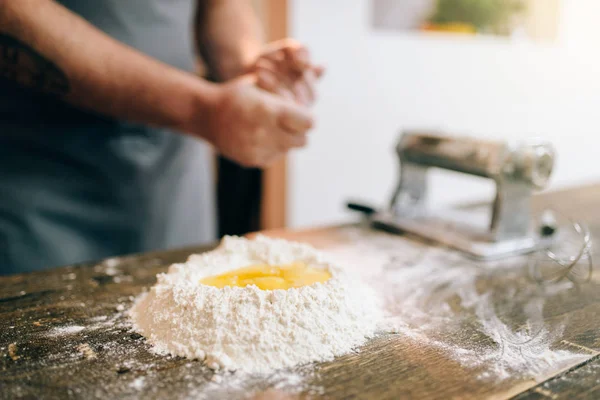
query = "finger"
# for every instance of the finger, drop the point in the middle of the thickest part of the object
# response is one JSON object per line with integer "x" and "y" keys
{"x": 293, "y": 118}
{"x": 268, "y": 81}
{"x": 300, "y": 83}
{"x": 298, "y": 57}
{"x": 306, "y": 86}
{"x": 302, "y": 93}
{"x": 277, "y": 47}
{"x": 292, "y": 52}
{"x": 318, "y": 70}
{"x": 277, "y": 55}
{"x": 291, "y": 62}
{"x": 289, "y": 78}
{"x": 280, "y": 71}
{"x": 295, "y": 141}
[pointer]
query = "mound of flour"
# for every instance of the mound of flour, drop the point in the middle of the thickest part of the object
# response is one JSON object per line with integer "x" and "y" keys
{"x": 249, "y": 329}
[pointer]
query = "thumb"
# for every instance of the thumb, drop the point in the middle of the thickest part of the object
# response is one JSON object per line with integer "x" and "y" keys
{"x": 294, "y": 118}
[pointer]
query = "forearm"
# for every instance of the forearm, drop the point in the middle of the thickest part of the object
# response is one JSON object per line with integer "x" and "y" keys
{"x": 45, "y": 47}
{"x": 229, "y": 36}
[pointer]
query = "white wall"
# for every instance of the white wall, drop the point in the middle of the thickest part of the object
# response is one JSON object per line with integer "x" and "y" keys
{"x": 379, "y": 83}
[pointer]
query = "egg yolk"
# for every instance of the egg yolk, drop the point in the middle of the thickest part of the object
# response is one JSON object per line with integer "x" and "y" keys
{"x": 270, "y": 277}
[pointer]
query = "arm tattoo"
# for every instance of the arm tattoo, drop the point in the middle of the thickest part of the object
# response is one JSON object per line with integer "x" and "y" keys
{"x": 21, "y": 64}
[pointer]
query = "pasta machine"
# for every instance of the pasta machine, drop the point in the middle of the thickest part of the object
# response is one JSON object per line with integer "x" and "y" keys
{"x": 488, "y": 231}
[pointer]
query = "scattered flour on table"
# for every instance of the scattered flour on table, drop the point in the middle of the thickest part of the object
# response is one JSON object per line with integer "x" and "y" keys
{"x": 489, "y": 317}
{"x": 254, "y": 330}
{"x": 444, "y": 301}
{"x": 241, "y": 385}
{"x": 65, "y": 330}
{"x": 138, "y": 383}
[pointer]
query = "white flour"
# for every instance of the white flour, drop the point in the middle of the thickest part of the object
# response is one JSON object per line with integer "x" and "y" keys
{"x": 282, "y": 384}
{"x": 489, "y": 317}
{"x": 66, "y": 330}
{"x": 442, "y": 300}
{"x": 245, "y": 328}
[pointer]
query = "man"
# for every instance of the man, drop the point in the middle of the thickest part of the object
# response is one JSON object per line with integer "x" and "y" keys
{"x": 103, "y": 124}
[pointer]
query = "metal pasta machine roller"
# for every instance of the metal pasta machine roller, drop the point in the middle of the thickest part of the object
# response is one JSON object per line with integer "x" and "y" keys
{"x": 487, "y": 231}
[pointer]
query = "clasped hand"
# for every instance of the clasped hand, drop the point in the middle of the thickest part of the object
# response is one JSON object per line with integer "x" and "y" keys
{"x": 264, "y": 113}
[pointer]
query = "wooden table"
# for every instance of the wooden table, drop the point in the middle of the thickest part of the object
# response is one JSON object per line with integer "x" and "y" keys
{"x": 64, "y": 333}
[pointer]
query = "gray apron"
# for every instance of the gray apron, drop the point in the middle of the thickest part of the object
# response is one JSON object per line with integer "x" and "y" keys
{"x": 76, "y": 186}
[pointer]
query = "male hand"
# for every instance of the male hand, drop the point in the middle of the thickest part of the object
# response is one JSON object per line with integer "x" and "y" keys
{"x": 254, "y": 127}
{"x": 284, "y": 68}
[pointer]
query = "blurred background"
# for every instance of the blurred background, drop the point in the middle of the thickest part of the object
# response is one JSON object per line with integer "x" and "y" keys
{"x": 488, "y": 68}
{"x": 523, "y": 19}
{"x": 381, "y": 81}
{"x": 493, "y": 69}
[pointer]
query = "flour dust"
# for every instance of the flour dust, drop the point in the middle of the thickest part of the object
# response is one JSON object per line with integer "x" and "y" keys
{"x": 489, "y": 317}
{"x": 249, "y": 329}
{"x": 440, "y": 299}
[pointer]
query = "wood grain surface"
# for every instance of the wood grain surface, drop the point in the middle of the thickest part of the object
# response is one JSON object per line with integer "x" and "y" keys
{"x": 64, "y": 332}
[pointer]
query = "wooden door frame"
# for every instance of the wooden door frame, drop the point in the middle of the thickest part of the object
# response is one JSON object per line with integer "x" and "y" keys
{"x": 273, "y": 212}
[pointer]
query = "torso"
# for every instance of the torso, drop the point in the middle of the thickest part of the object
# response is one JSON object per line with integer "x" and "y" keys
{"x": 75, "y": 186}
